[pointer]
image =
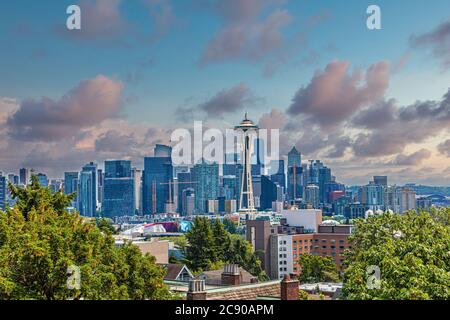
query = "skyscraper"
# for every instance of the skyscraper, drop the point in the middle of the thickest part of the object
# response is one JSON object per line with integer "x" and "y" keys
{"x": 183, "y": 182}
{"x": 157, "y": 188}
{"x": 137, "y": 180}
{"x": 295, "y": 176}
{"x": 407, "y": 199}
{"x": 43, "y": 180}
{"x": 324, "y": 177}
{"x": 87, "y": 205}
{"x": 381, "y": 180}
{"x": 277, "y": 173}
{"x": 294, "y": 158}
{"x": 268, "y": 193}
{"x": 207, "y": 186}
{"x": 312, "y": 195}
{"x": 24, "y": 176}
{"x": 163, "y": 151}
{"x": 118, "y": 197}
{"x": 71, "y": 185}
{"x": 3, "y": 193}
{"x": 87, "y": 188}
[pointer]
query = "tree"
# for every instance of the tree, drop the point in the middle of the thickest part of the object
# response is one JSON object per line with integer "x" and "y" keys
{"x": 200, "y": 253}
{"x": 315, "y": 268}
{"x": 221, "y": 239}
{"x": 105, "y": 225}
{"x": 40, "y": 242}
{"x": 35, "y": 197}
{"x": 230, "y": 226}
{"x": 211, "y": 246}
{"x": 241, "y": 253}
{"x": 410, "y": 250}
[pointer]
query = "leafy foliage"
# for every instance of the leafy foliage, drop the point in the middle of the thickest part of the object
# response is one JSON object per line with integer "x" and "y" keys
{"x": 39, "y": 240}
{"x": 211, "y": 246}
{"x": 411, "y": 250}
{"x": 316, "y": 268}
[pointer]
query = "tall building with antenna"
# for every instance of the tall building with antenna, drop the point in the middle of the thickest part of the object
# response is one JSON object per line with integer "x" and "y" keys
{"x": 247, "y": 129}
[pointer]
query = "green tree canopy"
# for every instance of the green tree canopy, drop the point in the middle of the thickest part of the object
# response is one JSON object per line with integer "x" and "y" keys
{"x": 211, "y": 246}
{"x": 40, "y": 241}
{"x": 411, "y": 250}
{"x": 316, "y": 268}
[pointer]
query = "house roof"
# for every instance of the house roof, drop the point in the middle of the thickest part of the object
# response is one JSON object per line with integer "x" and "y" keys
{"x": 215, "y": 276}
{"x": 174, "y": 270}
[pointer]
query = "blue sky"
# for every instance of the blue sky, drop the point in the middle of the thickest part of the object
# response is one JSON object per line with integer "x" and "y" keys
{"x": 159, "y": 61}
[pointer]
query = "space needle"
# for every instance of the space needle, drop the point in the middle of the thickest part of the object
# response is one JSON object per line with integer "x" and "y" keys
{"x": 247, "y": 200}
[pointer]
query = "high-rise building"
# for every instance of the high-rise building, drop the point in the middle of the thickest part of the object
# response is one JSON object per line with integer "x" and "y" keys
{"x": 43, "y": 180}
{"x": 184, "y": 182}
{"x": 296, "y": 183}
{"x": 3, "y": 193}
{"x": 188, "y": 202}
{"x": 157, "y": 184}
{"x": 277, "y": 173}
{"x": 294, "y": 158}
{"x": 118, "y": 189}
{"x": 163, "y": 151}
{"x": 229, "y": 187}
{"x": 24, "y": 176}
{"x": 206, "y": 177}
{"x": 87, "y": 190}
{"x": 56, "y": 185}
{"x": 381, "y": 180}
{"x": 100, "y": 179}
{"x": 324, "y": 178}
{"x": 137, "y": 180}
{"x": 71, "y": 186}
{"x": 312, "y": 195}
{"x": 371, "y": 196}
{"x": 268, "y": 193}
{"x": 14, "y": 179}
{"x": 87, "y": 205}
{"x": 407, "y": 199}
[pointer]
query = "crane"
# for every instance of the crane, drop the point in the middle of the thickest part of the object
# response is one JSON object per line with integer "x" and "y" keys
{"x": 172, "y": 183}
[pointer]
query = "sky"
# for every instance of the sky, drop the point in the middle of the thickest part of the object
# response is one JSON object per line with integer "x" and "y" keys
{"x": 365, "y": 102}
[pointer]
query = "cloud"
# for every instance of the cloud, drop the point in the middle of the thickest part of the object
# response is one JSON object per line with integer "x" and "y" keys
{"x": 88, "y": 104}
{"x": 444, "y": 148}
{"x": 226, "y": 101}
{"x": 334, "y": 94}
{"x": 162, "y": 14}
{"x": 276, "y": 119}
{"x": 377, "y": 116}
{"x": 247, "y": 32}
{"x": 230, "y": 100}
{"x": 411, "y": 124}
{"x": 114, "y": 141}
{"x": 438, "y": 41}
{"x": 413, "y": 159}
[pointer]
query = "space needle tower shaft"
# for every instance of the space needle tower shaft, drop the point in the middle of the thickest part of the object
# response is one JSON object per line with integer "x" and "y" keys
{"x": 247, "y": 200}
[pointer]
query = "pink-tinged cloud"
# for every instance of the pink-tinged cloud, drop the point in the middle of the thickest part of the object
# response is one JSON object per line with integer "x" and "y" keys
{"x": 437, "y": 41}
{"x": 88, "y": 104}
{"x": 335, "y": 94}
{"x": 246, "y": 33}
{"x": 276, "y": 119}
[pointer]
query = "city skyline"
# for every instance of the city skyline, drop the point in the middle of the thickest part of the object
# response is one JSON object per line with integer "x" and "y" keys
{"x": 375, "y": 104}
